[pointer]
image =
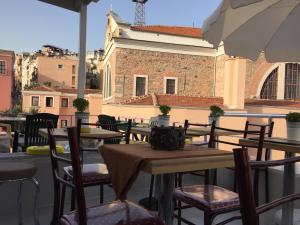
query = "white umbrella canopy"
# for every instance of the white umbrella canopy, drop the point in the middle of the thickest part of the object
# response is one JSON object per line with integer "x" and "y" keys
{"x": 249, "y": 27}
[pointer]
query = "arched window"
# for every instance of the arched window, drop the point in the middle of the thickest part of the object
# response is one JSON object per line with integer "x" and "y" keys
{"x": 107, "y": 82}
{"x": 269, "y": 89}
{"x": 292, "y": 81}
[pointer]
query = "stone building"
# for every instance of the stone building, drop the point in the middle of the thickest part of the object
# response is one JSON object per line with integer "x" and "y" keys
{"x": 144, "y": 60}
{"x": 140, "y": 60}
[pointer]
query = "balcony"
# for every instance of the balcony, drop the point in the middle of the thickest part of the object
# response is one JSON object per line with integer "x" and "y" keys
{"x": 140, "y": 189}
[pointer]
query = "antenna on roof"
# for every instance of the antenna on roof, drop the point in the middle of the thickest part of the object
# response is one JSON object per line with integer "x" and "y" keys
{"x": 111, "y": 8}
{"x": 139, "y": 19}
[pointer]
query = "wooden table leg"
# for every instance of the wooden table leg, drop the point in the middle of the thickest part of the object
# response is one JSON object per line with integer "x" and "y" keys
{"x": 164, "y": 189}
{"x": 288, "y": 188}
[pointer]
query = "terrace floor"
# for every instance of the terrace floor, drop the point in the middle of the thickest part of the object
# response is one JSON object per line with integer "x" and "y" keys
{"x": 139, "y": 190}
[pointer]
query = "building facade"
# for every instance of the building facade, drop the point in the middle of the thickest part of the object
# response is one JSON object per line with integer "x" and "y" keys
{"x": 144, "y": 60}
{"x": 155, "y": 59}
{"x": 7, "y": 60}
{"x": 59, "y": 101}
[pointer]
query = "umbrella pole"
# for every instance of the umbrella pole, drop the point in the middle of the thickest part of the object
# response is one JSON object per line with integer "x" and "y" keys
{"x": 82, "y": 51}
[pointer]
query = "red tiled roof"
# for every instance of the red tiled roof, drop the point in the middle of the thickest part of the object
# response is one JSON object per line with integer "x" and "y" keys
{"x": 175, "y": 100}
{"x": 203, "y": 102}
{"x": 282, "y": 103}
{"x": 172, "y": 30}
{"x": 64, "y": 90}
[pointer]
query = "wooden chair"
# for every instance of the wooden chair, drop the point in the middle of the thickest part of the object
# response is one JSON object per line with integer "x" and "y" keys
{"x": 210, "y": 198}
{"x": 6, "y": 138}
{"x": 32, "y": 125}
{"x": 250, "y": 212}
{"x": 107, "y": 122}
{"x": 93, "y": 175}
{"x": 266, "y": 155}
{"x": 187, "y": 124}
{"x": 117, "y": 212}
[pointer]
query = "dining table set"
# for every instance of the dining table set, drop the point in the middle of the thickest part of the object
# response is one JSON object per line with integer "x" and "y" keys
{"x": 126, "y": 161}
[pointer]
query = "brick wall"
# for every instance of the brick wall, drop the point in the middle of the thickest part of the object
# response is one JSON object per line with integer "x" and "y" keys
{"x": 195, "y": 73}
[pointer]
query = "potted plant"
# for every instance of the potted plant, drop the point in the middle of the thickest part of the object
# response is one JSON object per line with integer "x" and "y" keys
{"x": 164, "y": 118}
{"x": 215, "y": 113}
{"x": 81, "y": 105}
{"x": 293, "y": 126}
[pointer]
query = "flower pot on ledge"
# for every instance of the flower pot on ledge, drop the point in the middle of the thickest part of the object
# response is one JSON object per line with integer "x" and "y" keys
{"x": 163, "y": 120}
{"x": 293, "y": 131}
{"x": 84, "y": 116}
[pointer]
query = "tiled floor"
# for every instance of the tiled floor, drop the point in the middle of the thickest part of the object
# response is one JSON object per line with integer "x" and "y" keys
{"x": 139, "y": 190}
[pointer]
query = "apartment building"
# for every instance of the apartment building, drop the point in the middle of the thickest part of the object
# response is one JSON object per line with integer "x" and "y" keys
{"x": 59, "y": 101}
{"x": 7, "y": 60}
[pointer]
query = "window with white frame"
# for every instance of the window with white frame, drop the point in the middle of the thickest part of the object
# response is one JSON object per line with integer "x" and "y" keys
{"x": 107, "y": 82}
{"x": 35, "y": 100}
{"x": 2, "y": 67}
{"x": 49, "y": 101}
{"x": 64, "y": 102}
{"x": 64, "y": 123}
{"x": 170, "y": 85}
{"x": 292, "y": 81}
{"x": 140, "y": 85}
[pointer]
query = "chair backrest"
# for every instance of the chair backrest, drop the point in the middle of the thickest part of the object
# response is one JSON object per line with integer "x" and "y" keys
{"x": 255, "y": 127}
{"x": 215, "y": 131}
{"x": 57, "y": 178}
{"x": 243, "y": 167}
{"x": 107, "y": 122}
{"x": 33, "y": 124}
{"x": 187, "y": 124}
{"x": 252, "y": 127}
{"x": 77, "y": 175}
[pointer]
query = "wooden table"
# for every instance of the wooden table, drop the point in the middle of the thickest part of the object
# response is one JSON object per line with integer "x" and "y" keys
{"x": 191, "y": 132}
{"x": 291, "y": 148}
{"x": 160, "y": 164}
{"x": 95, "y": 133}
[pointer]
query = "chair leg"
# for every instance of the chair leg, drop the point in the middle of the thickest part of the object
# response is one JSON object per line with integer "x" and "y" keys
{"x": 267, "y": 185}
{"x": 208, "y": 219}
{"x": 62, "y": 200}
{"x": 179, "y": 213}
{"x": 234, "y": 184}
{"x": 72, "y": 200}
{"x": 151, "y": 189}
{"x": 37, "y": 191}
{"x": 101, "y": 193}
{"x": 20, "y": 219}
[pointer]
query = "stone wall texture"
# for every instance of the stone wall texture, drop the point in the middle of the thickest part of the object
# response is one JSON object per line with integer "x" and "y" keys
{"x": 195, "y": 74}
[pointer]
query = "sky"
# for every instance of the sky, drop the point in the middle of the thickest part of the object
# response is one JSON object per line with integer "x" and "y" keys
{"x": 26, "y": 25}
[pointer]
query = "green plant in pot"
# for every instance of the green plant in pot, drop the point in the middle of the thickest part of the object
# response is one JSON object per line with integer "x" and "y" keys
{"x": 293, "y": 126}
{"x": 215, "y": 113}
{"x": 164, "y": 118}
{"x": 81, "y": 105}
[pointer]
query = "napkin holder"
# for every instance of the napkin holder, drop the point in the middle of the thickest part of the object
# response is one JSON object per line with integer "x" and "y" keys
{"x": 167, "y": 138}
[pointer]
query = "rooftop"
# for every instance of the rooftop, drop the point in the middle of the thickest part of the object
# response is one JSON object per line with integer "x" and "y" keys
{"x": 196, "y": 101}
{"x": 171, "y": 30}
{"x": 64, "y": 90}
